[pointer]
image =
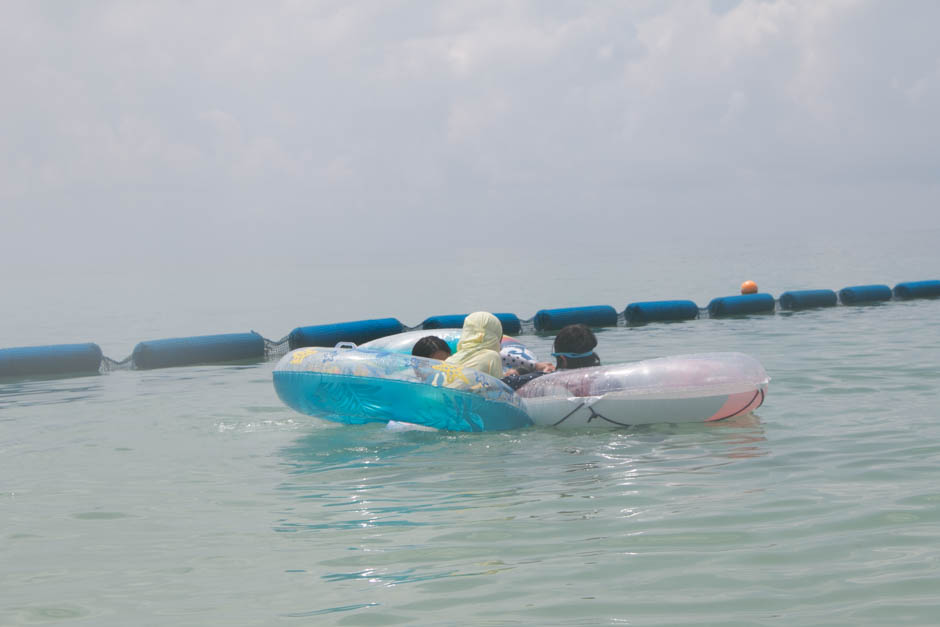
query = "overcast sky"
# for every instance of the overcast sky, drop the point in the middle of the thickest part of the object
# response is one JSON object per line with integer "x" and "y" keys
{"x": 232, "y": 129}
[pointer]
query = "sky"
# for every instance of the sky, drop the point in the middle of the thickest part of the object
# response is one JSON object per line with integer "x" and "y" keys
{"x": 159, "y": 133}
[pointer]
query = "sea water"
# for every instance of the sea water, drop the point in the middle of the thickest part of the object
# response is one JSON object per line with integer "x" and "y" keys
{"x": 192, "y": 496}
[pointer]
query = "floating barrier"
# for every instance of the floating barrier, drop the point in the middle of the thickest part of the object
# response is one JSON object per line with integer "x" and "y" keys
{"x": 741, "y": 305}
{"x": 357, "y": 332}
{"x": 510, "y": 321}
{"x": 807, "y": 299}
{"x": 203, "y": 349}
{"x": 917, "y": 289}
{"x": 593, "y": 316}
{"x": 660, "y": 311}
{"x": 87, "y": 358}
{"x": 858, "y": 294}
{"x": 57, "y": 359}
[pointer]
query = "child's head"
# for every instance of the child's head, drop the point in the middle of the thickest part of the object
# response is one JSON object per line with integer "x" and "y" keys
{"x": 481, "y": 330}
{"x": 432, "y": 347}
{"x": 574, "y": 347}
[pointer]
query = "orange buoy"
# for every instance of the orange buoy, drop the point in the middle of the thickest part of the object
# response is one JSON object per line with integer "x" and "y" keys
{"x": 749, "y": 287}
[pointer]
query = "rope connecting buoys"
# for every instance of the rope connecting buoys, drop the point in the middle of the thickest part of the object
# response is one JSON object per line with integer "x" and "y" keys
{"x": 202, "y": 349}
{"x": 593, "y": 316}
{"x": 50, "y": 360}
{"x": 808, "y": 299}
{"x": 660, "y": 311}
{"x": 858, "y": 294}
{"x": 917, "y": 289}
{"x": 510, "y": 321}
{"x": 741, "y": 305}
{"x": 331, "y": 334}
{"x": 87, "y": 358}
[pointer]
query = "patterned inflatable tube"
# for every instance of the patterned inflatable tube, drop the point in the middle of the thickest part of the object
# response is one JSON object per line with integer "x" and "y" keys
{"x": 355, "y": 386}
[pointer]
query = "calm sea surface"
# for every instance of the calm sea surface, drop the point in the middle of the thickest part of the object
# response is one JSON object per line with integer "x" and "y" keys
{"x": 192, "y": 496}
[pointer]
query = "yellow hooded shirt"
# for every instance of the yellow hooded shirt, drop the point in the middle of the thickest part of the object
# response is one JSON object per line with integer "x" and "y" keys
{"x": 479, "y": 344}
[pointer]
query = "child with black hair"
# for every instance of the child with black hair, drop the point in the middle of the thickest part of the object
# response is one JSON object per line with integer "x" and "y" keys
{"x": 432, "y": 347}
{"x": 573, "y": 348}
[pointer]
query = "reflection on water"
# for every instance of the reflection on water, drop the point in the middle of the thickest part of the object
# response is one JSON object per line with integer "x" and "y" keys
{"x": 49, "y": 391}
{"x": 368, "y": 478}
{"x": 385, "y": 577}
{"x": 355, "y": 446}
{"x": 421, "y": 511}
{"x": 348, "y": 446}
{"x": 330, "y": 610}
{"x": 744, "y": 434}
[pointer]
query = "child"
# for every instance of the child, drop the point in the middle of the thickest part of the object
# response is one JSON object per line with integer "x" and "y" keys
{"x": 432, "y": 347}
{"x": 479, "y": 344}
{"x": 573, "y": 348}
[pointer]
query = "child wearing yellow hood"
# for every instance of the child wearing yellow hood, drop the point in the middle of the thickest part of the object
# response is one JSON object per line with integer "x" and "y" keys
{"x": 479, "y": 344}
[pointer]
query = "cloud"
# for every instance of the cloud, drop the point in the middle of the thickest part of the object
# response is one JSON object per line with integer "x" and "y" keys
{"x": 395, "y": 120}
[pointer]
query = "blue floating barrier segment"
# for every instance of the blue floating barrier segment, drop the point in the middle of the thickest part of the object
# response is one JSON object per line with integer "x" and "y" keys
{"x": 510, "y": 321}
{"x": 204, "y": 349}
{"x": 330, "y": 334}
{"x": 592, "y": 316}
{"x": 660, "y": 311}
{"x": 454, "y": 321}
{"x": 917, "y": 289}
{"x": 741, "y": 305}
{"x": 806, "y": 299}
{"x": 864, "y": 294}
{"x": 50, "y": 360}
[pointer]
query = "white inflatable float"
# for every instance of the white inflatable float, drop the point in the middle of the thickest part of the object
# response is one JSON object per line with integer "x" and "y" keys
{"x": 684, "y": 388}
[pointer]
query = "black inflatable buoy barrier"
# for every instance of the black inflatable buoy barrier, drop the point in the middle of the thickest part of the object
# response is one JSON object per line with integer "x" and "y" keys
{"x": 660, "y": 311}
{"x": 65, "y": 359}
{"x": 741, "y": 305}
{"x": 510, "y": 321}
{"x": 58, "y": 359}
{"x": 593, "y": 316}
{"x": 858, "y": 294}
{"x": 917, "y": 289}
{"x": 201, "y": 349}
{"x": 807, "y": 299}
{"x": 357, "y": 332}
